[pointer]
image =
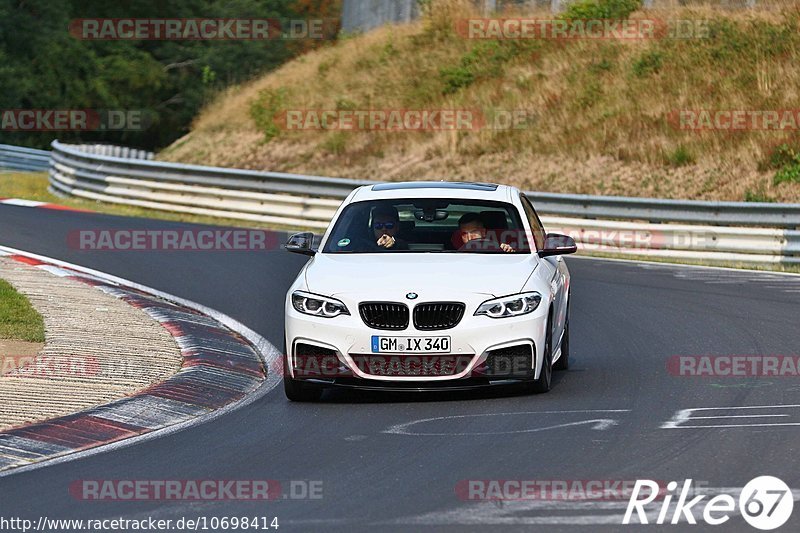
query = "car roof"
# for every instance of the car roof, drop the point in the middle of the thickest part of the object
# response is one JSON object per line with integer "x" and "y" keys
{"x": 434, "y": 189}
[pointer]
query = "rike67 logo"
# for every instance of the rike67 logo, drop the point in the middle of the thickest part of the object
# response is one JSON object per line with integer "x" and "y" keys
{"x": 765, "y": 503}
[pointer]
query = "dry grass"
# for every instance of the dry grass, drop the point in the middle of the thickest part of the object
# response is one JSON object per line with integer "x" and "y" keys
{"x": 600, "y": 108}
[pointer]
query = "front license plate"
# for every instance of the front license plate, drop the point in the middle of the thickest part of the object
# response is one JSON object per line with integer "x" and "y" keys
{"x": 382, "y": 344}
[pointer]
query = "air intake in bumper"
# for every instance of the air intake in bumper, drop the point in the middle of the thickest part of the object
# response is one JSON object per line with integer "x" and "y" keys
{"x": 317, "y": 362}
{"x": 513, "y": 362}
{"x": 397, "y": 365}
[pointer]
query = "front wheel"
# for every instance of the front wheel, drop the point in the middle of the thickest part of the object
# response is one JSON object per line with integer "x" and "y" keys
{"x": 542, "y": 384}
{"x": 563, "y": 360}
{"x": 296, "y": 390}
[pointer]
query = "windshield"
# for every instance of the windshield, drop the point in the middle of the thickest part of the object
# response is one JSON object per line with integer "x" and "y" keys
{"x": 428, "y": 225}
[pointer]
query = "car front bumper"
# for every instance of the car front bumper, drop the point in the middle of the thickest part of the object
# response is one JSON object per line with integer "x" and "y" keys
{"x": 475, "y": 339}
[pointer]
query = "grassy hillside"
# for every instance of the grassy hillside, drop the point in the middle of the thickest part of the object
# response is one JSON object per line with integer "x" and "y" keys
{"x": 601, "y": 113}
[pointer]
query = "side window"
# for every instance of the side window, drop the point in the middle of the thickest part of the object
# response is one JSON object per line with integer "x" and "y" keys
{"x": 536, "y": 224}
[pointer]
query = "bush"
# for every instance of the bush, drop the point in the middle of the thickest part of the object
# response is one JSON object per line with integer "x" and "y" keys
{"x": 648, "y": 63}
{"x": 757, "y": 196}
{"x": 786, "y": 159}
{"x": 779, "y": 157}
{"x": 601, "y": 9}
{"x": 335, "y": 143}
{"x": 265, "y": 108}
{"x": 455, "y": 78}
{"x": 485, "y": 60}
{"x": 788, "y": 174}
{"x": 680, "y": 157}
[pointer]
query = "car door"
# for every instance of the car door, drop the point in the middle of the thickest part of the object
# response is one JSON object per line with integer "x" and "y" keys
{"x": 554, "y": 271}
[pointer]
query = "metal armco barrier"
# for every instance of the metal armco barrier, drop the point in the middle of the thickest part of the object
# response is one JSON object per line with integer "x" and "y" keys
{"x": 712, "y": 231}
{"x": 25, "y": 159}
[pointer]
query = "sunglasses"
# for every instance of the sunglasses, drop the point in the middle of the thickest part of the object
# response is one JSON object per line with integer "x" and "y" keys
{"x": 381, "y": 225}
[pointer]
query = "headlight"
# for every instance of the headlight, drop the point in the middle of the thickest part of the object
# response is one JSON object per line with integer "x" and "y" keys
{"x": 314, "y": 304}
{"x": 515, "y": 305}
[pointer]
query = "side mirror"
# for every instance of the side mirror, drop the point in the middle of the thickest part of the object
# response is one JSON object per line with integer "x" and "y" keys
{"x": 557, "y": 244}
{"x": 300, "y": 243}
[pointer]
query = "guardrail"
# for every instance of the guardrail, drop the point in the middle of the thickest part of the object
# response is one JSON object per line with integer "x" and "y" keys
{"x": 712, "y": 231}
{"x": 21, "y": 158}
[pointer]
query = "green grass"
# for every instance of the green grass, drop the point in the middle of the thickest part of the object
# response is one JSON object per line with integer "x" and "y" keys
{"x": 601, "y": 9}
{"x": 757, "y": 195}
{"x": 679, "y": 157}
{"x": 785, "y": 158}
{"x": 18, "y": 319}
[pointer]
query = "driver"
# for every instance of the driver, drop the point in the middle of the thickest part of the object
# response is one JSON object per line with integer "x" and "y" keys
{"x": 386, "y": 226}
{"x": 472, "y": 228}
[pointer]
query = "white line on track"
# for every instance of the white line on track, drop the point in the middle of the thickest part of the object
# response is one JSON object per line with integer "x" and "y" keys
{"x": 683, "y": 416}
{"x": 518, "y": 512}
{"x": 735, "y": 416}
{"x": 598, "y": 423}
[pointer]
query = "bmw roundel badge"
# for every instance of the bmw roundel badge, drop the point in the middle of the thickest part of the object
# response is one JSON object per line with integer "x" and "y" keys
{"x": 412, "y": 295}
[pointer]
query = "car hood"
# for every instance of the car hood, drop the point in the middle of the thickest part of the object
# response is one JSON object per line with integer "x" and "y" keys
{"x": 396, "y": 274}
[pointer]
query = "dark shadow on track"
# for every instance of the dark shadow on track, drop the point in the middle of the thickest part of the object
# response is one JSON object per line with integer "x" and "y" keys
{"x": 354, "y": 396}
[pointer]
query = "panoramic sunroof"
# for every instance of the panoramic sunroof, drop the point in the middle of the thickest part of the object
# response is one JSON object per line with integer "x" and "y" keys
{"x": 435, "y": 185}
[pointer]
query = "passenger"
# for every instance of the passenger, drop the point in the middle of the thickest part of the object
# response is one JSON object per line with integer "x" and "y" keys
{"x": 471, "y": 229}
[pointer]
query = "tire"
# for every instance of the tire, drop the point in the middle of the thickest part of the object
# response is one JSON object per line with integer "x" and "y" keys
{"x": 296, "y": 390}
{"x": 542, "y": 385}
{"x": 563, "y": 361}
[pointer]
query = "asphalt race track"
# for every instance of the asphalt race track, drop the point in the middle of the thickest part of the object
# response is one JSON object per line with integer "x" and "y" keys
{"x": 385, "y": 465}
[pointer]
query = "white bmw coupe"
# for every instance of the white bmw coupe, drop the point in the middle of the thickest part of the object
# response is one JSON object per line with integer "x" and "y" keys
{"x": 424, "y": 285}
